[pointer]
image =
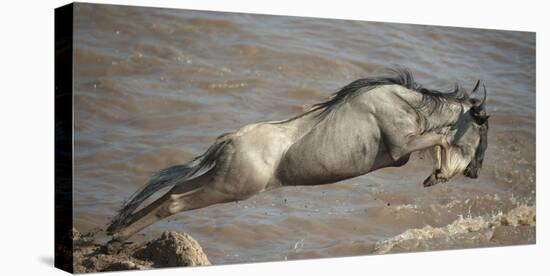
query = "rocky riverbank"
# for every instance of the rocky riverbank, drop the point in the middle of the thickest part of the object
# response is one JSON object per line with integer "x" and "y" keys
{"x": 171, "y": 249}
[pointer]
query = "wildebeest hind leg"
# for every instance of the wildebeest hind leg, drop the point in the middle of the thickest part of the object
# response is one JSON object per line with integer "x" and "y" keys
{"x": 174, "y": 201}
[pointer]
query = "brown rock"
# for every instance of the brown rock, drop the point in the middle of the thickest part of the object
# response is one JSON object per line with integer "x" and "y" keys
{"x": 173, "y": 249}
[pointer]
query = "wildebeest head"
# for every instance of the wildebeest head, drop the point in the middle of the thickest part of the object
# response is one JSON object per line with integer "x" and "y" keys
{"x": 480, "y": 123}
{"x": 469, "y": 140}
{"x": 468, "y": 143}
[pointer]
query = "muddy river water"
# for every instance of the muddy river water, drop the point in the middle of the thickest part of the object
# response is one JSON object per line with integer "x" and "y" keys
{"x": 155, "y": 87}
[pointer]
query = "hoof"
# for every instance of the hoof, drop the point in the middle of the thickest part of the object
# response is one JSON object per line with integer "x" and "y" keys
{"x": 430, "y": 181}
{"x": 435, "y": 178}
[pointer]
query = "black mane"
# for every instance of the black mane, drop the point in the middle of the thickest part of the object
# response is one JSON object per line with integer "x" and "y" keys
{"x": 403, "y": 77}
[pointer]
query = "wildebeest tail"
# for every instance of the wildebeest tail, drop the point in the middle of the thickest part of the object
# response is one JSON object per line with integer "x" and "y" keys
{"x": 166, "y": 178}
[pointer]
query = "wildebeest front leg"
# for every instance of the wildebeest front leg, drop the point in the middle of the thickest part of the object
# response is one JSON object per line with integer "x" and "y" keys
{"x": 437, "y": 176}
{"x": 420, "y": 142}
{"x": 407, "y": 145}
{"x": 436, "y": 157}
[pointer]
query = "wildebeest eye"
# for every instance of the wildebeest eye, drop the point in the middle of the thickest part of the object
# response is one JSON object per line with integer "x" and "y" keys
{"x": 480, "y": 120}
{"x": 479, "y": 115}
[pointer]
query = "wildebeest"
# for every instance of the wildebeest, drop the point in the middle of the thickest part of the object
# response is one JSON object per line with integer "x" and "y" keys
{"x": 369, "y": 124}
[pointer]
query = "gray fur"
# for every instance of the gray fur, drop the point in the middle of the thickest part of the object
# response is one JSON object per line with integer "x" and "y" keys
{"x": 369, "y": 124}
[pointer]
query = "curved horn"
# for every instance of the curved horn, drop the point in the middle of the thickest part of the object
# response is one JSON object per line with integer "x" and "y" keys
{"x": 476, "y": 86}
{"x": 482, "y": 104}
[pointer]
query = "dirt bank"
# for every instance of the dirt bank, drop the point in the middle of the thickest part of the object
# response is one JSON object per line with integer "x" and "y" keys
{"x": 169, "y": 250}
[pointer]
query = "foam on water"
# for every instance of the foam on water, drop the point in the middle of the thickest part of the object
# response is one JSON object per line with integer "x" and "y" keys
{"x": 479, "y": 228}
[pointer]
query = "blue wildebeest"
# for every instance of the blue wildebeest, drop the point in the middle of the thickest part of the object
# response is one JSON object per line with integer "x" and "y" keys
{"x": 369, "y": 124}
